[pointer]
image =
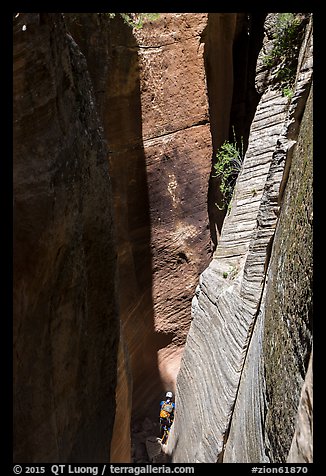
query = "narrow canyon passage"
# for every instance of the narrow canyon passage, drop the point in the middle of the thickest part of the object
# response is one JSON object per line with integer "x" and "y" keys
{"x": 129, "y": 277}
{"x": 157, "y": 128}
{"x": 172, "y": 145}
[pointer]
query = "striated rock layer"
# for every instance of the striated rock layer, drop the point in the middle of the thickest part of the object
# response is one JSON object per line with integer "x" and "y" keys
{"x": 66, "y": 327}
{"x": 230, "y": 58}
{"x": 234, "y": 365}
{"x": 277, "y": 359}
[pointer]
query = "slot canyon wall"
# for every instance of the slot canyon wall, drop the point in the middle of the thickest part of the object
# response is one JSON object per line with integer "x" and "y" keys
{"x": 65, "y": 313}
{"x": 151, "y": 92}
{"x": 152, "y": 128}
{"x": 115, "y": 222}
{"x": 245, "y": 370}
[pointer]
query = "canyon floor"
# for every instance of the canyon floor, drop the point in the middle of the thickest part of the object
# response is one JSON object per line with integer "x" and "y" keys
{"x": 146, "y": 445}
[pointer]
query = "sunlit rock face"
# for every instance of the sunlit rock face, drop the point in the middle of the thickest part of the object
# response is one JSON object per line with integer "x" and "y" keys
{"x": 249, "y": 343}
{"x": 66, "y": 327}
{"x": 176, "y": 145}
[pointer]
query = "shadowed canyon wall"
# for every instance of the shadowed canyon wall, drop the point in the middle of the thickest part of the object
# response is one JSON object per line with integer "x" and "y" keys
{"x": 115, "y": 220}
{"x": 111, "y": 53}
{"x": 230, "y": 58}
{"x": 150, "y": 93}
{"x": 66, "y": 327}
{"x": 248, "y": 349}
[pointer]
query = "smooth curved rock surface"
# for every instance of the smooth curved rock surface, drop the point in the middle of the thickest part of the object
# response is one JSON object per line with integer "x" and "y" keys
{"x": 65, "y": 320}
{"x": 222, "y": 370}
{"x": 301, "y": 450}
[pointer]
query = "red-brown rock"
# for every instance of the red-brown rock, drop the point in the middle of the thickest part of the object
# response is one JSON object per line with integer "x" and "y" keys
{"x": 65, "y": 312}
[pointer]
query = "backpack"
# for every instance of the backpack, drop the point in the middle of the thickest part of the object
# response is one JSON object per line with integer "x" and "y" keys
{"x": 166, "y": 410}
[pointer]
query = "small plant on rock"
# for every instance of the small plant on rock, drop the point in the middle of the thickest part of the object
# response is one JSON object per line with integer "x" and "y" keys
{"x": 136, "y": 20}
{"x": 227, "y": 167}
{"x": 283, "y": 58}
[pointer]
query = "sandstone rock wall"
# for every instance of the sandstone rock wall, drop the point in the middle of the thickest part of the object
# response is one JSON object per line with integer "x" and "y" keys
{"x": 230, "y": 57}
{"x": 288, "y": 306}
{"x": 66, "y": 328}
{"x": 112, "y": 57}
{"x": 281, "y": 344}
{"x": 177, "y": 146}
{"x": 301, "y": 450}
{"x": 231, "y": 361}
{"x": 81, "y": 374}
{"x": 284, "y": 320}
{"x": 151, "y": 93}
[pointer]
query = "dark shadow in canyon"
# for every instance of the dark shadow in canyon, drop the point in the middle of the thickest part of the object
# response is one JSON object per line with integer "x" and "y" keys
{"x": 111, "y": 52}
{"x": 231, "y": 50}
{"x": 247, "y": 44}
{"x": 65, "y": 320}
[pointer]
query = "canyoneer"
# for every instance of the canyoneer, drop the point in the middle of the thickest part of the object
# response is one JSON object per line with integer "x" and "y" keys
{"x": 167, "y": 408}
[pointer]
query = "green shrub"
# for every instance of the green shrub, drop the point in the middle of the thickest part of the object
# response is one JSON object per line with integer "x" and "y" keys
{"x": 287, "y": 36}
{"x": 136, "y": 20}
{"x": 287, "y": 92}
{"x": 227, "y": 167}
